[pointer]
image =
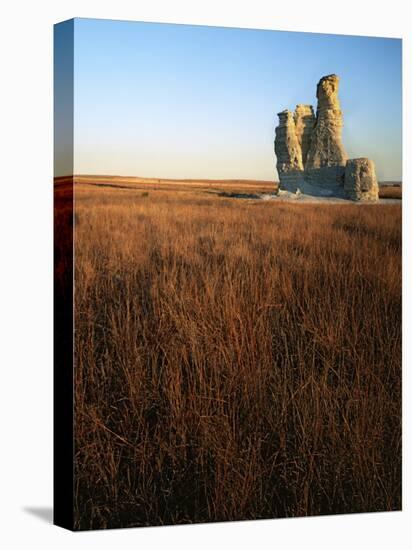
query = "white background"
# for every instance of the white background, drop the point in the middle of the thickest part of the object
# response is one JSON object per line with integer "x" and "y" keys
{"x": 26, "y": 325}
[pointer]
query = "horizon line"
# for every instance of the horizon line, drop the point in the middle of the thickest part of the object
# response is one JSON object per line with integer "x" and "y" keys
{"x": 157, "y": 179}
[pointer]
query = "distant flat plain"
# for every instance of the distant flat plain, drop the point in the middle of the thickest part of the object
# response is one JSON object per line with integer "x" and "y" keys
{"x": 388, "y": 189}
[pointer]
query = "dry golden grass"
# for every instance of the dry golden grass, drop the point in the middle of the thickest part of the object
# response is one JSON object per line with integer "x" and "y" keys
{"x": 234, "y": 359}
{"x": 390, "y": 192}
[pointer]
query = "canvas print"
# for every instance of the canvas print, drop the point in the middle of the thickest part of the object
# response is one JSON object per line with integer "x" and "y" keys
{"x": 228, "y": 208}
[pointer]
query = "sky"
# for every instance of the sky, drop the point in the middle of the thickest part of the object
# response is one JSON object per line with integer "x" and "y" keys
{"x": 181, "y": 101}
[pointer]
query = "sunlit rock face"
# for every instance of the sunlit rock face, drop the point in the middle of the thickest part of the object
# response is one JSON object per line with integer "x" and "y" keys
{"x": 288, "y": 153}
{"x": 304, "y": 118}
{"x": 326, "y": 159}
{"x": 310, "y": 154}
{"x": 360, "y": 180}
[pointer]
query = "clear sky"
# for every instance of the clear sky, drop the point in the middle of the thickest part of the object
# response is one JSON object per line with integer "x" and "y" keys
{"x": 201, "y": 102}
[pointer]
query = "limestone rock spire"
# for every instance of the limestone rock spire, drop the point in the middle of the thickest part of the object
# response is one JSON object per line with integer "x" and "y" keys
{"x": 310, "y": 153}
{"x": 288, "y": 152}
{"x": 326, "y": 158}
{"x": 304, "y": 118}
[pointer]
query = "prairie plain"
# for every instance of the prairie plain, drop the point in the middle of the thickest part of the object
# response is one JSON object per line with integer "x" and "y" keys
{"x": 234, "y": 358}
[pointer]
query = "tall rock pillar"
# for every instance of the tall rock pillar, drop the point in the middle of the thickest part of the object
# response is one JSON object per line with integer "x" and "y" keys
{"x": 288, "y": 153}
{"x": 326, "y": 158}
{"x": 304, "y": 118}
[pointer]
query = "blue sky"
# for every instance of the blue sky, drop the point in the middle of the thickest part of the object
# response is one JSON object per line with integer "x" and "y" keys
{"x": 201, "y": 102}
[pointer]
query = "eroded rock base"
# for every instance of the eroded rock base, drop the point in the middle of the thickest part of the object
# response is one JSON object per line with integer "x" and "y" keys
{"x": 360, "y": 180}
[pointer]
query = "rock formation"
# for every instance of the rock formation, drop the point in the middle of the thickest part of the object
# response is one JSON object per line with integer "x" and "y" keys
{"x": 310, "y": 154}
{"x": 360, "y": 180}
{"x": 326, "y": 160}
{"x": 304, "y": 118}
{"x": 288, "y": 152}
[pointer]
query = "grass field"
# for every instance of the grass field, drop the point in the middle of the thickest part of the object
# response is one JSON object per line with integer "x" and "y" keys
{"x": 390, "y": 192}
{"x": 234, "y": 359}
